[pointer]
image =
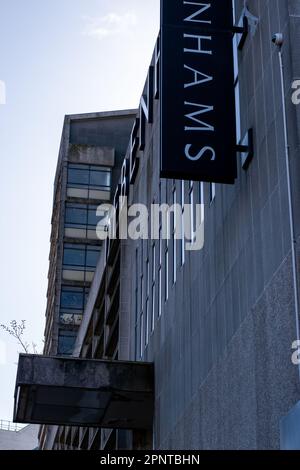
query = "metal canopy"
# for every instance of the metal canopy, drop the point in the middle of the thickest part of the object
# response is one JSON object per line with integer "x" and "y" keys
{"x": 84, "y": 392}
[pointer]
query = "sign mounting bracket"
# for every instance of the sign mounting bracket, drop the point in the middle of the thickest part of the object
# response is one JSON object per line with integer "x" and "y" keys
{"x": 246, "y": 149}
{"x": 242, "y": 30}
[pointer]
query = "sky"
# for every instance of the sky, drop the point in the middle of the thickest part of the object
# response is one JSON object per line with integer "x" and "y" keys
{"x": 57, "y": 57}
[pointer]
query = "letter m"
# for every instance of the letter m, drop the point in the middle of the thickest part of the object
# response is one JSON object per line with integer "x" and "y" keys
{"x": 194, "y": 117}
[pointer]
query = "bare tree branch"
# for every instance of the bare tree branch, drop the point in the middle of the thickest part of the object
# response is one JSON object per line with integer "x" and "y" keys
{"x": 16, "y": 330}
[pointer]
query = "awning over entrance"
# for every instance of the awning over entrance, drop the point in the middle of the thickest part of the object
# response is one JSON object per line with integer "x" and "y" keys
{"x": 84, "y": 392}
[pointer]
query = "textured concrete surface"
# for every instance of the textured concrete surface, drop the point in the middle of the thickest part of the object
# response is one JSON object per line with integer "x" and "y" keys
{"x": 25, "y": 439}
{"x": 222, "y": 347}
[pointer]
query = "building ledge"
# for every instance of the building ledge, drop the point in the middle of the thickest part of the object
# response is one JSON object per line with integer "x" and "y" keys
{"x": 84, "y": 392}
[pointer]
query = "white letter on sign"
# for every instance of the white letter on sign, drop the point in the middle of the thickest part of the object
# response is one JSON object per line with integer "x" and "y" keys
{"x": 199, "y": 154}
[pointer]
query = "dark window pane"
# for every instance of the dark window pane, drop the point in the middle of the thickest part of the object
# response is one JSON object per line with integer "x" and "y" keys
{"x": 66, "y": 341}
{"x": 99, "y": 178}
{"x": 92, "y": 217}
{"x": 78, "y": 176}
{"x": 86, "y": 295}
{"x": 76, "y": 216}
{"x": 71, "y": 299}
{"x": 92, "y": 258}
{"x": 74, "y": 257}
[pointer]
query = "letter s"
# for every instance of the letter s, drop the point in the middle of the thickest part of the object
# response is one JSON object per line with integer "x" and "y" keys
{"x": 199, "y": 154}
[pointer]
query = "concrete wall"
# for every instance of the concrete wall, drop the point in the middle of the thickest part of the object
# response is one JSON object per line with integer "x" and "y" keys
{"x": 222, "y": 347}
{"x": 26, "y": 439}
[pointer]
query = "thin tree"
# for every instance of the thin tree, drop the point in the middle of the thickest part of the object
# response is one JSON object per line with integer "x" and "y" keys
{"x": 16, "y": 330}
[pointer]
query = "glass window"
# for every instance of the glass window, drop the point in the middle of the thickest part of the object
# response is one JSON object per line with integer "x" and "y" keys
{"x": 76, "y": 215}
{"x": 147, "y": 301}
{"x": 81, "y": 256}
{"x": 166, "y": 273}
{"x": 92, "y": 257}
{"x": 159, "y": 292}
{"x": 66, "y": 342}
{"x": 159, "y": 272}
{"x": 174, "y": 239}
{"x": 182, "y": 225}
{"x": 72, "y": 303}
{"x": 201, "y": 200}
{"x": 78, "y": 176}
{"x": 89, "y": 175}
{"x": 92, "y": 217}
{"x": 192, "y": 223}
{"x": 100, "y": 178}
{"x": 74, "y": 256}
{"x": 81, "y": 216}
{"x": 153, "y": 287}
{"x": 72, "y": 299}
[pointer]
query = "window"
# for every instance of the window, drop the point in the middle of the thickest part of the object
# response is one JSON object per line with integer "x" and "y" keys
{"x": 89, "y": 176}
{"x": 76, "y": 215}
{"x": 78, "y": 174}
{"x": 174, "y": 237}
{"x": 147, "y": 302}
{"x": 72, "y": 297}
{"x": 92, "y": 219}
{"x": 99, "y": 178}
{"x": 167, "y": 253}
{"x": 92, "y": 256}
{"x": 66, "y": 342}
{"x": 74, "y": 256}
{"x": 136, "y": 302}
{"x": 79, "y": 257}
{"x": 182, "y": 225}
{"x": 166, "y": 271}
{"x": 81, "y": 216}
{"x": 159, "y": 273}
{"x": 72, "y": 304}
{"x": 201, "y": 200}
{"x": 142, "y": 325}
{"x": 191, "y": 202}
{"x": 153, "y": 260}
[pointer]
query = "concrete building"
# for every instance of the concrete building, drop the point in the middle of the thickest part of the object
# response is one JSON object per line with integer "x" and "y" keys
{"x": 91, "y": 154}
{"x": 13, "y": 437}
{"x": 216, "y": 324}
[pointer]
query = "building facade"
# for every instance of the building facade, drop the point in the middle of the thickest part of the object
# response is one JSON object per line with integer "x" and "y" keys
{"x": 217, "y": 323}
{"x": 91, "y": 154}
{"x": 92, "y": 150}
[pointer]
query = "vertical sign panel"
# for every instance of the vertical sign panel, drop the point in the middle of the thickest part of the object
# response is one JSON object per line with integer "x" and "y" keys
{"x": 198, "y": 136}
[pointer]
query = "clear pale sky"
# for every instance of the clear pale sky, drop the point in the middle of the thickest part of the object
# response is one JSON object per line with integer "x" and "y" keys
{"x": 57, "y": 57}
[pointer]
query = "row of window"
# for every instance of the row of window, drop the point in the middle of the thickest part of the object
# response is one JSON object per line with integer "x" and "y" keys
{"x": 66, "y": 342}
{"x": 81, "y": 216}
{"x": 72, "y": 304}
{"x": 79, "y": 257}
{"x": 150, "y": 274}
{"x": 92, "y": 176}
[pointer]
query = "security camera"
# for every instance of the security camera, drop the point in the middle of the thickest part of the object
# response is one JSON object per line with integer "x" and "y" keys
{"x": 277, "y": 39}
